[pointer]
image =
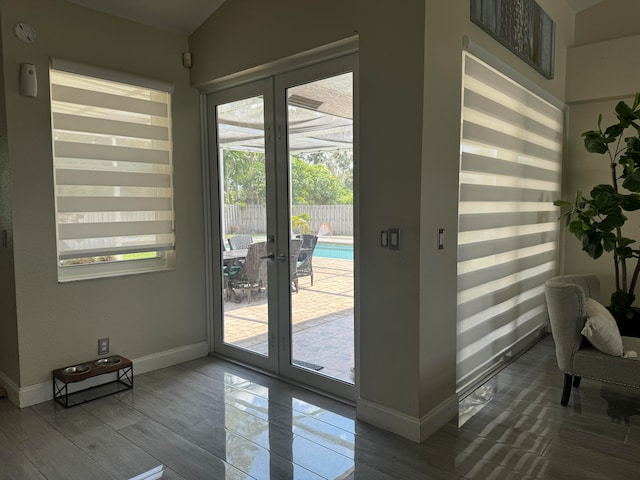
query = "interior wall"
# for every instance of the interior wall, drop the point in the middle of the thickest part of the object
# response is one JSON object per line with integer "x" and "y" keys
{"x": 605, "y": 38}
{"x": 9, "y": 366}
{"x": 409, "y": 90}
{"x": 391, "y": 83}
{"x": 390, "y": 92}
{"x": 232, "y": 40}
{"x": 446, "y": 25}
{"x": 607, "y": 20}
{"x": 59, "y": 324}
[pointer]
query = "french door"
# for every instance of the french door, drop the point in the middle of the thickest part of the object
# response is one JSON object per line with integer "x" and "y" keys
{"x": 282, "y": 163}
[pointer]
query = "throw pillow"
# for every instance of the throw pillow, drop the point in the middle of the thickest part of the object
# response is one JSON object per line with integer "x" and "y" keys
{"x": 602, "y": 330}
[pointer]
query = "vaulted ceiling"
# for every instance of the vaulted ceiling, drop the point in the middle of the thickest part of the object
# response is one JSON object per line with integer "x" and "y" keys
{"x": 179, "y": 16}
{"x": 185, "y": 16}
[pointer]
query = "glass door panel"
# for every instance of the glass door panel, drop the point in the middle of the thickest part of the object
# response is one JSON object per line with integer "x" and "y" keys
{"x": 241, "y": 155}
{"x": 320, "y": 154}
{"x": 282, "y": 166}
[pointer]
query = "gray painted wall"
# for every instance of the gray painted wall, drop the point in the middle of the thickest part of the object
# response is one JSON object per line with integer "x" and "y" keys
{"x": 8, "y": 321}
{"x": 409, "y": 90}
{"x": 600, "y": 72}
{"x": 59, "y": 324}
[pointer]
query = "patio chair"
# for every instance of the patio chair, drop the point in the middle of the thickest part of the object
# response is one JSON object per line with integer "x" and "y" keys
{"x": 252, "y": 276}
{"x": 294, "y": 252}
{"x": 240, "y": 242}
{"x": 304, "y": 264}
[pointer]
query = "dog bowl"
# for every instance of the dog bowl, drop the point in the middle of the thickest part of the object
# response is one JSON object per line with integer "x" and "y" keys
{"x": 76, "y": 370}
{"x": 104, "y": 362}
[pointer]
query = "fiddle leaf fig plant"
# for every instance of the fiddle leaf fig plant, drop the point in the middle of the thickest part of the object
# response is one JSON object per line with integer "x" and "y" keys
{"x": 597, "y": 220}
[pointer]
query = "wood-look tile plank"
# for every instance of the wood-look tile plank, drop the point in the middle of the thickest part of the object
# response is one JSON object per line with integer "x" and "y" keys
{"x": 247, "y": 456}
{"x": 269, "y": 435}
{"x": 180, "y": 394}
{"x": 171, "y": 415}
{"x": 256, "y": 405}
{"x": 113, "y": 412}
{"x": 69, "y": 421}
{"x": 320, "y": 460}
{"x": 400, "y": 458}
{"x": 181, "y": 455}
{"x": 472, "y": 468}
{"x": 364, "y": 472}
{"x": 59, "y": 459}
{"x": 495, "y": 422}
{"x": 583, "y": 462}
{"x": 325, "y": 434}
{"x": 13, "y": 463}
{"x": 114, "y": 453}
{"x": 21, "y": 424}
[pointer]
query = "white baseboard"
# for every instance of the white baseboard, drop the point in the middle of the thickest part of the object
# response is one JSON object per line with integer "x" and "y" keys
{"x": 42, "y": 392}
{"x": 412, "y": 428}
{"x": 169, "y": 358}
{"x": 13, "y": 392}
{"x": 439, "y": 416}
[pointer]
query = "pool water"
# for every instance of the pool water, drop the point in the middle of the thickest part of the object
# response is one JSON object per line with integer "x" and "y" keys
{"x": 334, "y": 250}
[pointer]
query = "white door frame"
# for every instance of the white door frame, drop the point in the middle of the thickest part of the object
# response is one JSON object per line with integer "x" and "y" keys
{"x": 314, "y": 63}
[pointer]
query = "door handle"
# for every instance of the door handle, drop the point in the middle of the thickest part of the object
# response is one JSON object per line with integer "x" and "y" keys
{"x": 272, "y": 256}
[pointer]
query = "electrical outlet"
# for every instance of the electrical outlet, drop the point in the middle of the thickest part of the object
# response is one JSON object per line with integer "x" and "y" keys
{"x": 103, "y": 346}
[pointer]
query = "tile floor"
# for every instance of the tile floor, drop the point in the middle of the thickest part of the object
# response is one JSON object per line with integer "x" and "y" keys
{"x": 322, "y": 320}
{"x": 208, "y": 419}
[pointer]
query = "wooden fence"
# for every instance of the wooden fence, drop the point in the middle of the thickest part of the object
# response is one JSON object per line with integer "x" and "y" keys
{"x": 252, "y": 218}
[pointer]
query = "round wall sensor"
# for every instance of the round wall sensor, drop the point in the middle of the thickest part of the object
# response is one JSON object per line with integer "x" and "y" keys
{"x": 25, "y": 32}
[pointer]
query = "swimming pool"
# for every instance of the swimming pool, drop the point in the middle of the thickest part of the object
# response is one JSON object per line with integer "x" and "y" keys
{"x": 334, "y": 250}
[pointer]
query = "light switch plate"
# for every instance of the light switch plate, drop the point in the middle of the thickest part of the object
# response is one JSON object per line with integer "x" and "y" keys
{"x": 103, "y": 346}
{"x": 394, "y": 239}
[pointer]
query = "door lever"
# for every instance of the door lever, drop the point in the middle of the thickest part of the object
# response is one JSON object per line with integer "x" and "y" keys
{"x": 272, "y": 256}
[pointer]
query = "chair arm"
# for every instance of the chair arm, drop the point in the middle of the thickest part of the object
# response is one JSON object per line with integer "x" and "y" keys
{"x": 566, "y": 303}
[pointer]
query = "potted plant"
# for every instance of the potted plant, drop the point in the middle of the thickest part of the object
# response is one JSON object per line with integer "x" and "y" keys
{"x": 597, "y": 220}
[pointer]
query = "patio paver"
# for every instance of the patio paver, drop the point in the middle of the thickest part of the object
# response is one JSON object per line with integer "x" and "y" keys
{"x": 322, "y": 320}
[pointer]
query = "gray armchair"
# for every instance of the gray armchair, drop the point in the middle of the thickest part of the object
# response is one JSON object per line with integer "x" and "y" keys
{"x": 566, "y": 301}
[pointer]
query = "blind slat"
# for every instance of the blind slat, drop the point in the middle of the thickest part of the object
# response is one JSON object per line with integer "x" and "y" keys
{"x": 113, "y": 204}
{"x": 93, "y": 151}
{"x": 103, "y": 178}
{"x": 83, "y": 98}
{"x": 77, "y": 123}
{"x": 68, "y": 231}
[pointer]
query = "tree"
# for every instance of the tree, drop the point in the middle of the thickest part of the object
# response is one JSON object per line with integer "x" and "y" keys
{"x": 338, "y": 162}
{"x": 313, "y": 182}
{"x": 244, "y": 177}
{"x": 316, "y": 185}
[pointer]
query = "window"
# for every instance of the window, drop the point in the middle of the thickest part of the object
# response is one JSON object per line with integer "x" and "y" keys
{"x": 510, "y": 164}
{"x": 112, "y": 170}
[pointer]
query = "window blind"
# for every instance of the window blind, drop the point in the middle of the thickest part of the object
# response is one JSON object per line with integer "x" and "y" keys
{"x": 510, "y": 164}
{"x": 112, "y": 163}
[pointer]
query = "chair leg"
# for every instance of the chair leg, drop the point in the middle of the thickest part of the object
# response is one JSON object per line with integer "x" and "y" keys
{"x": 566, "y": 391}
{"x": 576, "y": 381}
{"x": 312, "y": 278}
